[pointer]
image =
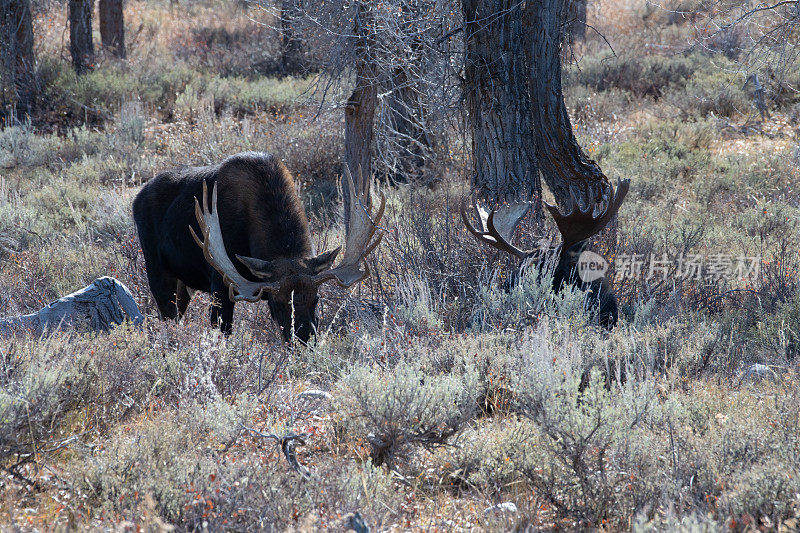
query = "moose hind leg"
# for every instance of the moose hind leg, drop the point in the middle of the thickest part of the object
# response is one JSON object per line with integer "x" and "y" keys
{"x": 182, "y": 298}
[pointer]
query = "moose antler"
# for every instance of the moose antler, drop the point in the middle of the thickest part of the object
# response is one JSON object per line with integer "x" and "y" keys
{"x": 239, "y": 288}
{"x": 358, "y": 243}
{"x": 498, "y": 225}
{"x": 579, "y": 224}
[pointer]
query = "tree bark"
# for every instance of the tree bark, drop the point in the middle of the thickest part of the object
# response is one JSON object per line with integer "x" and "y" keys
{"x": 81, "y": 47}
{"x": 100, "y": 306}
{"x": 563, "y": 164}
{"x": 112, "y": 26}
{"x": 291, "y": 47}
{"x": 499, "y": 109}
{"x": 18, "y": 62}
{"x": 359, "y": 112}
{"x": 406, "y": 119}
{"x": 576, "y": 19}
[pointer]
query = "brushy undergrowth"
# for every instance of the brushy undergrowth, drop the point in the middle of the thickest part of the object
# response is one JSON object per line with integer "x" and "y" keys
{"x": 443, "y": 388}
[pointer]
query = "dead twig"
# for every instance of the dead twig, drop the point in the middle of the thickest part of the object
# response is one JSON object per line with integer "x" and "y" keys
{"x": 287, "y": 444}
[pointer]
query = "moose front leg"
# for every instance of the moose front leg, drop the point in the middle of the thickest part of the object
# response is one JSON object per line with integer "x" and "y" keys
{"x": 221, "y": 306}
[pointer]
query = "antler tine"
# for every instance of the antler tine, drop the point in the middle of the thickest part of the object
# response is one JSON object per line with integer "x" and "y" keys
{"x": 480, "y": 235}
{"x": 508, "y": 225}
{"x": 509, "y": 217}
{"x": 213, "y": 246}
{"x": 578, "y": 224}
{"x": 359, "y": 242}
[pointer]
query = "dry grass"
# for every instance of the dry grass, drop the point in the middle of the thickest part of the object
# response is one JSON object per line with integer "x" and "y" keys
{"x": 448, "y": 394}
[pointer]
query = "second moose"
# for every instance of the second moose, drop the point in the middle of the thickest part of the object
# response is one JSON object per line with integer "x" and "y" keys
{"x": 498, "y": 226}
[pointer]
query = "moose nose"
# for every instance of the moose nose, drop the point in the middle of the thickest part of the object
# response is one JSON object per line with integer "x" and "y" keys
{"x": 303, "y": 334}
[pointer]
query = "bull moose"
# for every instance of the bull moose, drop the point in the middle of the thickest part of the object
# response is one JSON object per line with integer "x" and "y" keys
{"x": 255, "y": 242}
{"x": 498, "y": 226}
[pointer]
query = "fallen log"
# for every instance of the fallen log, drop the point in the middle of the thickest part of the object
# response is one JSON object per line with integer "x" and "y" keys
{"x": 105, "y": 303}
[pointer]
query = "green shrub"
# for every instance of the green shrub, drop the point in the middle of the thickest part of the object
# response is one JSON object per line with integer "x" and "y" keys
{"x": 642, "y": 75}
{"x": 528, "y": 300}
{"x": 21, "y": 146}
{"x": 40, "y": 390}
{"x": 717, "y": 91}
{"x": 206, "y": 473}
{"x": 480, "y": 457}
{"x": 396, "y": 409}
{"x": 415, "y": 306}
{"x": 668, "y": 154}
{"x": 588, "y": 105}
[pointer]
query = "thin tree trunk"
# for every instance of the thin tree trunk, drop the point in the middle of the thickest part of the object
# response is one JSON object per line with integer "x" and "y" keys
{"x": 503, "y": 155}
{"x": 18, "y": 62}
{"x": 112, "y": 26}
{"x": 405, "y": 104}
{"x": 81, "y": 47}
{"x": 359, "y": 112}
{"x": 291, "y": 46}
{"x": 576, "y": 19}
{"x": 406, "y": 111}
{"x": 563, "y": 164}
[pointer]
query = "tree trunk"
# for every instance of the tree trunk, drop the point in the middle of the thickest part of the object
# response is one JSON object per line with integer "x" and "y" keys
{"x": 80, "y": 35}
{"x": 291, "y": 50}
{"x": 112, "y": 26}
{"x": 16, "y": 46}
{"x": 563, "y": 164}
{"x": 405, "y": 109}
{"x": 576, "y": 19}
{"x": 503, "y": 155}
{"x": 359, "y": 112}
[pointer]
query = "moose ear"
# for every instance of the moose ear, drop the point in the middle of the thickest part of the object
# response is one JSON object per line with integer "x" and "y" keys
{"x": 259, "y": 267}
{"x": 323, "y": 261}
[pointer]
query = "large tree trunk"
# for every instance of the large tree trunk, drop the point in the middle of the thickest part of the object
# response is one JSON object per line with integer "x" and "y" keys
{"x": 112, "y": 26}
{"x": 359, "y": 112}
{"x": 16, "y": 46}
{"x": 503, "y": 156}
{"x": 291, "y": 47}
{"x": 563, "y": 164}
{"x": 80, "y": 35}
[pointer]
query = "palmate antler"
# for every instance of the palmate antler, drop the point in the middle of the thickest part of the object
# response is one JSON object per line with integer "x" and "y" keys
{"x": 498, "y": 225}
{"x": 359, "y": 243}
{"x": 239, "y": 287}
{"x": 579, "y": 224}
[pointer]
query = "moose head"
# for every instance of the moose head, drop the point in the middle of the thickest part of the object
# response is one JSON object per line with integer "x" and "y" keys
{"x": 291, "y": 284}
{"x": 576, "y": 226}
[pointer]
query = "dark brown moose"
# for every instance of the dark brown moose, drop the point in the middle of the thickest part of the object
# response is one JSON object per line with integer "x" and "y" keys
{"x": 498, "y": 226}
{"x": 251, "y": 243}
